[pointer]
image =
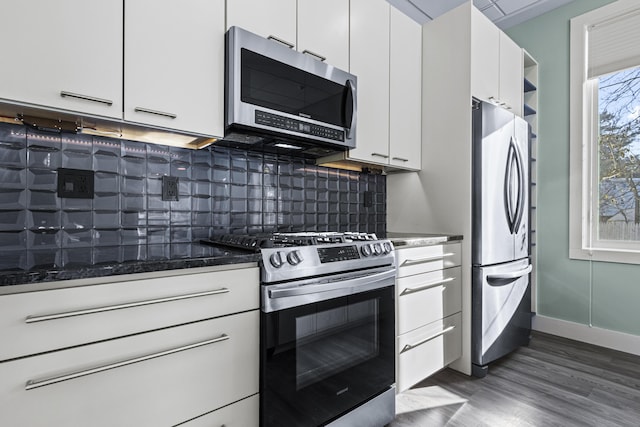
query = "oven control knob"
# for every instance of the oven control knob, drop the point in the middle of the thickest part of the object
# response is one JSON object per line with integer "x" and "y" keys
{"x": 386, "y": 247}
{"x": 276, "y": 259}
{"x": 377, "y": 249}
{"x": 366, "y": 250}
{"x": 294, "y": 257}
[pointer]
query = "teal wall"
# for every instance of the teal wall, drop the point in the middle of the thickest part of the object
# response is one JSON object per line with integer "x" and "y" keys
{"x": 605, "y": 294}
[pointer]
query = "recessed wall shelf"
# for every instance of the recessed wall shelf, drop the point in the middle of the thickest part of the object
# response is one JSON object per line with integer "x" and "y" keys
{"x": 528, "y": 86}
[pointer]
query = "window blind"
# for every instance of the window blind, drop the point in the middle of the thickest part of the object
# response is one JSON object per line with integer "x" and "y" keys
{"x": 614, "y": 43}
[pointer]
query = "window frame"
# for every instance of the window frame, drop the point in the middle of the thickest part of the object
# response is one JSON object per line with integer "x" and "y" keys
{"x": 584, "y": 159}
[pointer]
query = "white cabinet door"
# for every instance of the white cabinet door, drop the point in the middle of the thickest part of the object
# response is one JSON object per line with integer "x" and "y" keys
{"x": 323, "y": 30}
{"x": 63, "y": 54}
{"x": 428, "y": 349}
{"x": 405, "y": 92}
{"x": 485, "y": 57}
{"x": 36, "y": 322}
{"x": 174, "y": 74}
{"x": 267, "y": 18}
{"x": 159, "y": 378}
{"x": 240, "y": 414}
{"x": 511, "y": 74}
{"x": 369, "y": 51}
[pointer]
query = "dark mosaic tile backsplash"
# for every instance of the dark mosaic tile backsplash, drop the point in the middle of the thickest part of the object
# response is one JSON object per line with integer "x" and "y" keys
{"x": 221, "y": 190}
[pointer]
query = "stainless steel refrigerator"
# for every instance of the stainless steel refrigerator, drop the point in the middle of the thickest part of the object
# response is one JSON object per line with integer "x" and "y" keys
{"x": 501, "y": 293}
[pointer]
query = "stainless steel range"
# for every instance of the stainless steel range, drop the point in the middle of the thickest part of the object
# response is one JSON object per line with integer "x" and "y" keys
{"x": 327, "y": 328}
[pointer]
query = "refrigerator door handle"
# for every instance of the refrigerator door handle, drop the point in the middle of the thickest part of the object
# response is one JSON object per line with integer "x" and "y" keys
{"x": 508, "y": 186}
{"x": 521, "y": 189}
{"x": 510, "y": 275}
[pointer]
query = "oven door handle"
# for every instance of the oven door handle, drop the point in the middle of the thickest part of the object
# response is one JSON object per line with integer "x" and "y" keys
{"x": 370, "y": 282}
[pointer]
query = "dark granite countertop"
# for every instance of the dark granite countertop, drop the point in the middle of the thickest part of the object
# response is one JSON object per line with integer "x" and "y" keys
{"x": 401, "y": 240}
{"x": 199, "y": 255}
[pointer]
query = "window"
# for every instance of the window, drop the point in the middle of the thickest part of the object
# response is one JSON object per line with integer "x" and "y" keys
{"x": 605, "y": 134}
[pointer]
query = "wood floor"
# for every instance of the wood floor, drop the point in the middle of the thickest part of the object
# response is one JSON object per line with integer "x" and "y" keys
{"x": 552, "y": 382}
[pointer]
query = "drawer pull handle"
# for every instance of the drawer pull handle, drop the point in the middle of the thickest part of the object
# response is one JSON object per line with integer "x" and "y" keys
{"x": 315, "y": 55}
{"x": 428, "y": 286}
{"x": 384, "y": 156}
{"x": 34, "y": 319}
{"x": 41, "y": 383}
{"x": 412, "y": 346}
{"x": 156, "y": 112}
{"x": 427, "y": 259}
{"x": 66, "y": 94}
{"x": 281, "y": 41}
{"x": 402, "y": 159}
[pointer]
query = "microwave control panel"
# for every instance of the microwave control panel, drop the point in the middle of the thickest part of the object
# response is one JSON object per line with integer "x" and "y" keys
{"x": 280, "y": 122}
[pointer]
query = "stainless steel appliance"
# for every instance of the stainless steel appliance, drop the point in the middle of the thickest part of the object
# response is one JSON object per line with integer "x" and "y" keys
{"x": 327, "y": 328}
{"x": 501, "y": 295}
{"x": 279, "y": 98}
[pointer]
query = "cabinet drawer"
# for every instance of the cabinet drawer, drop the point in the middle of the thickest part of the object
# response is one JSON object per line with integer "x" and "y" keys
{"x": 427, "y": 297}
{"x": 427, "y": 258}
{"x": 240, "y": 414}
{"x": 158, "y": 378}
{"x": 54, "y": 319}
{"x": 426, "y": 350}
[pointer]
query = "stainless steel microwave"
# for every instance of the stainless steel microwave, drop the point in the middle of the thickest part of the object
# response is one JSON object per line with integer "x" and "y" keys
{"x": 277, "y": 97}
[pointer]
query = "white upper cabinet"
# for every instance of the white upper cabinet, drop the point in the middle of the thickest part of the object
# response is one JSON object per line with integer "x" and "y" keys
{"x": 496, "y": 63}
{"x": 63, "y": 54}
{"x": 174, "y": 64}
{"x": 511, "y": 74}
{"x": 317, "y": 28}
{"x": 405, "y": 92}
{"x": 323, "y": 30}
{"x": 268, "y": 18}
{"x": 369, "y": 51}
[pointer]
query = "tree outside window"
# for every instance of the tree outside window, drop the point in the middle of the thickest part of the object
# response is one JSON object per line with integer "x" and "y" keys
{"x": 619, "y": 155}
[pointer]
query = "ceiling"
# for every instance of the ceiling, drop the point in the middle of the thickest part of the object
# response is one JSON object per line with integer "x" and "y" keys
{"x": 504, "y": 13}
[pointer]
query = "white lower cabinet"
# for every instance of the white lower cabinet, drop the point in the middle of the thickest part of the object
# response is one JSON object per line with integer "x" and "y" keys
{"x": 139, "y": 352}
{"x": 239, "y": 414}
{"x": 428, "y": 349}
{"x": 428, "y": 311}
{"x": 427, "y": 297}
{"x": 157, "y": 378}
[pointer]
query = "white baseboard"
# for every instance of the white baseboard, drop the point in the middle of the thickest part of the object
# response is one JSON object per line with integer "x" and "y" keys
{"x": 597, "y": 336}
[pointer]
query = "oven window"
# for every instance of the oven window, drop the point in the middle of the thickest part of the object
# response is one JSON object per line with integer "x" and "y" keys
{"x": 334, "y": 340}
{"x": 281, "y": 87}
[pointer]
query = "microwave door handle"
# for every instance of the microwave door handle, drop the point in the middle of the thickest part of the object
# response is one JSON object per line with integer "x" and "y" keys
{"x": 352, "y": 90}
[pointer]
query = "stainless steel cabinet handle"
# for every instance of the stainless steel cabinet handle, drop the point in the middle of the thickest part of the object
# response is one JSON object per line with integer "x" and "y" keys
{"x": 401, "y": 159}
{"x": 33, "y": 319}
{"x": 157, "y": 113}
{"x": 31, "y": 384}
{"x": 427, "y": 259}
{"x": 286, "y": 43}
{"x": 380, "y": 155}
{"x": 315, "y": 55}
{"x": 411, "y": 346}
{"x": 406, "y": 291}
{"x": 66, "y": 94}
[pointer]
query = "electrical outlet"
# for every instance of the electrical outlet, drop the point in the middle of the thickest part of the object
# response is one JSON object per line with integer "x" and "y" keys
{"x": 170, "y": 188}
{"x": 75, "y": 183}
{"x": 368, "y": 199}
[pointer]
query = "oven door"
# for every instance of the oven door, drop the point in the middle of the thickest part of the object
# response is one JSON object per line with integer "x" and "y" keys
{"x": 322, "y": 359}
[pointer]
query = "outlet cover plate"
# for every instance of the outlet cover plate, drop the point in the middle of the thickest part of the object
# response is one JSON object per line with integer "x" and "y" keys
{"x": 75, "y": 183}
{"x": 170, "y": 186}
